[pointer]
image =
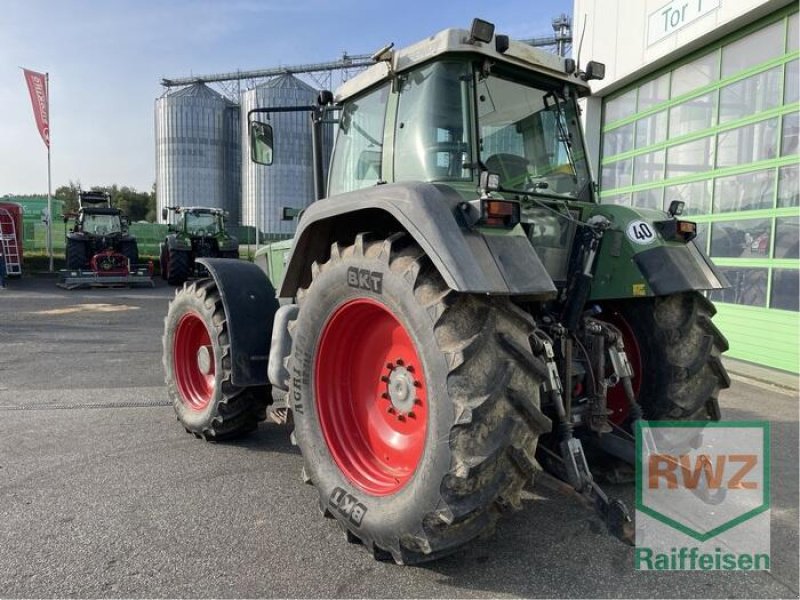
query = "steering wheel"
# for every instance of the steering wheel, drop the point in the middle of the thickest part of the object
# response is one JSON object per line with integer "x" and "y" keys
{"x": 513, "y": 169}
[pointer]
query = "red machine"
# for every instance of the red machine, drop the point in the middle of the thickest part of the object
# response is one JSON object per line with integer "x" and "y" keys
{"x": 11, "y": 237}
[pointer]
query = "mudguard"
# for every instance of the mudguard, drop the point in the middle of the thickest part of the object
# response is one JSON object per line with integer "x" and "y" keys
{"x": 649, "y": 265}
{"x": 250, "y": 306}
{"x": 469, "y": 260}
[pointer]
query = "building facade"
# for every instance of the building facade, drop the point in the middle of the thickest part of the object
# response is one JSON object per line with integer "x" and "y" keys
{"x": 700, "y": 104}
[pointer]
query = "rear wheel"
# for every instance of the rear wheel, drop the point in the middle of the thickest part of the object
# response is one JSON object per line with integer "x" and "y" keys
{"x": 76, "y": 254}
{"x": 178, "y": 266}
{"x": 675, "y": 351}
{"x": 197, "y": 367}
{"x": 163, "y": 266}
{"x": 416, "y": 408}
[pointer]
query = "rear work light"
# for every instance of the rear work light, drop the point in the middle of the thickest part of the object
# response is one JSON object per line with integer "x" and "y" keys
{"x": 499, "y": 213}
{"x": 677, "y": 231}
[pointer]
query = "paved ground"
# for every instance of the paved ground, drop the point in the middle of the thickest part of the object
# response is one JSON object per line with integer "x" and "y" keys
{"x": 102, "y": 494}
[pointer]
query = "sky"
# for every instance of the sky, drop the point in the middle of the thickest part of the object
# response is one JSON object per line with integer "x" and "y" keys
{"x": 106, "y": 59}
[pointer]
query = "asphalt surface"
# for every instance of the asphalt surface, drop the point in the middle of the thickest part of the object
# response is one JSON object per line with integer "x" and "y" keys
{"x": 102, "y": 493}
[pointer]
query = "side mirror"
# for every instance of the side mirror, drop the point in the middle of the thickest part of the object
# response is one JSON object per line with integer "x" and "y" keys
{"x": 170, "y": 228}
{"x": 261, "y": 143}
{"x": 164, "y": 213}
{"x": 66, "y": 218}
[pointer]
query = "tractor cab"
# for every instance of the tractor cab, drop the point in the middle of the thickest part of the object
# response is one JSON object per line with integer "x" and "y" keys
{"x": 96, "y": 217}
{"x": 99, "y": 223}
{"x": 203, "y": 223}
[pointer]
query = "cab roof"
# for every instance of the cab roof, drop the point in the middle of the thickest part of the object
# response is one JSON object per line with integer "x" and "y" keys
{"x": 458, "y": 41}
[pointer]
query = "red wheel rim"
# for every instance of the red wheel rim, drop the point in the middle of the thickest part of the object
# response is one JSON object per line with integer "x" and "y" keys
{"x": 616, "y": 400}
{"x": 371, "y": 396}
{"x": 193, "y": 361}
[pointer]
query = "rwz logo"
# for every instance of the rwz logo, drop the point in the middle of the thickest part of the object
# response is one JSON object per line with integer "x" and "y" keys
{"x": 666, "y": 467}
{"x": 348, "y": 506}
{"x": 364, "y": 279}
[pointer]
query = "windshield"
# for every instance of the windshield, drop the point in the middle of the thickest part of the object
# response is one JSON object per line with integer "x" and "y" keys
{"x": 201, "y": 224}
{"x": 101, "y": 224}
{"x": 531, "y": 138}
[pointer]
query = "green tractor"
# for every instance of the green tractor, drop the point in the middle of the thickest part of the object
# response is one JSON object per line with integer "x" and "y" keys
{"x": 197, "y": 232}
{"x": 456, "y": 310}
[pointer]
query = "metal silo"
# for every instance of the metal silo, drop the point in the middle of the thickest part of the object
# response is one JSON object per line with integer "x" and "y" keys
{"x": 197, "y": 149}
{"x": 289, "y": 180}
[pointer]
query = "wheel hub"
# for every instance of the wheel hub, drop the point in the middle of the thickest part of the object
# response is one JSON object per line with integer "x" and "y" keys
{"x": 400, "y": 385}
{"x": 204, "y": 354}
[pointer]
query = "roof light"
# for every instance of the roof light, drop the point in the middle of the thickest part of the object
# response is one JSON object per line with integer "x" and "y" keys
{"x": 481, "y": 31}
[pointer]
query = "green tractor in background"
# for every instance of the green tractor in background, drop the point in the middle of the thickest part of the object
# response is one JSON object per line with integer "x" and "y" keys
{"x": 197, "y": 232}
{"x": 456, "y": 310}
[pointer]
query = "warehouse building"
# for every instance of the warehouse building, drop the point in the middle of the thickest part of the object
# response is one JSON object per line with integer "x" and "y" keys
{"x": 700, "y": 104}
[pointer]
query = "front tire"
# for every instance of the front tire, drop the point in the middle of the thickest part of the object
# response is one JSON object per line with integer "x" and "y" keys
{"x": 130, "y": 250}
{"x": 197, "y": 367}
{"x": 76, "y": 255}
{"x": 178, "y": 266}
{"x": 676, "y": 352}
{"x": 416, "y": 408}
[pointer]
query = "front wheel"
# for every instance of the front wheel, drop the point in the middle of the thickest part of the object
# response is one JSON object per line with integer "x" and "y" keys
{"x": 675, "y": 351}
{"x": 197, "y": 367}
{"x": 130, "y": 250}
{"x": 179, "y": 266}
{"x": 76, "y": 255}
{"x": 416, "y": 408}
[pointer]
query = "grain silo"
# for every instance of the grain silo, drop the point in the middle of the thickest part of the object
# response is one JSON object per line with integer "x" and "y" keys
{"x": 289, "y": 181}
{"x": 198, "y": 149}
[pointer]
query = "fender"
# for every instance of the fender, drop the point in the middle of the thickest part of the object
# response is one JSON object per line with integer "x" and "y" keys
{"x": 468, "y": 260}
{"x": 651, "y": 267}
{"x": 250, "y": 306}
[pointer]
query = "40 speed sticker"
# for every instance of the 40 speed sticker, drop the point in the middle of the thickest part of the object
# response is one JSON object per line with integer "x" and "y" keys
{"x": 640, "y": 232}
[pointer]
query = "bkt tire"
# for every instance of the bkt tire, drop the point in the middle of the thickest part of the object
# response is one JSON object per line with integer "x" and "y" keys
{"x": 197, "y": 367}
{"x": 676, "y": 351}
{"x": 416, "y": 408}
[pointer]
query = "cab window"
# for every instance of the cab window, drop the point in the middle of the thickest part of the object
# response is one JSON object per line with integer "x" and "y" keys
{"x": 357, "y": 156}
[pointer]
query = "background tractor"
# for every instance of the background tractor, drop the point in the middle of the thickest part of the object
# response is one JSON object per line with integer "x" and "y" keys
{"x": 196, "y": 232}
{"x": 99, "y": 249}
{"x": 97, "y": 229}
{"x": 456, "y": 309}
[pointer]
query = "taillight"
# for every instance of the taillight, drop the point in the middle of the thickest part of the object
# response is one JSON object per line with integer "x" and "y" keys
{"x": 499, "y": 213}
{"x": 677, "y": 231}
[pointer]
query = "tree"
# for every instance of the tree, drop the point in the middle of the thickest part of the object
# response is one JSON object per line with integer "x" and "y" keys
{"x": 138, "y": 206}
{"x": 69, "y": 194}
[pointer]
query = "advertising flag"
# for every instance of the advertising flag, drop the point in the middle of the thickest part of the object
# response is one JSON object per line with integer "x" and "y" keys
{"x": 37, "y": 86}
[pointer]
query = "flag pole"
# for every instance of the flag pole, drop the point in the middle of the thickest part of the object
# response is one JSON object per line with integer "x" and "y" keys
{"x": 49, "y": 185}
